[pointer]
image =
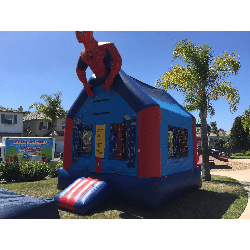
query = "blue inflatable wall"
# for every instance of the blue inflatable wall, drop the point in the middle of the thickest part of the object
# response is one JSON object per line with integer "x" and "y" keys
{"x": 19, "y": 206}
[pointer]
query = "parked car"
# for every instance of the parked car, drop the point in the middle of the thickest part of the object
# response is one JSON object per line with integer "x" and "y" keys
{"x": 214, "y": 151}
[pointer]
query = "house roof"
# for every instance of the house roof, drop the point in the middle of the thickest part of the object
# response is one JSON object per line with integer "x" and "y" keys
{"x": 227, "y": 134}
{"x": 33, "y": 116}
{"x": 3, "y": 109}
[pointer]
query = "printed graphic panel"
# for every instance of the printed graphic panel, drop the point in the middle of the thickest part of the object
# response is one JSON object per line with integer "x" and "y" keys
{"x": 100, "y": 141}
{"x": 23, "y": 149}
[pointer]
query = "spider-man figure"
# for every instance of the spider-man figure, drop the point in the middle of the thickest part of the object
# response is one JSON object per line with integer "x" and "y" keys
{"x": 102, "y": 58}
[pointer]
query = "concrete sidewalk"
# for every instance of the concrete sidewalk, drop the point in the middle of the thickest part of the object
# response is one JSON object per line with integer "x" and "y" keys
{"x": 243, "y": 176}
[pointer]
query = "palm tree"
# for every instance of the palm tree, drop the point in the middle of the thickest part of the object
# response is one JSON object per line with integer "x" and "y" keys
{"x": 202, "y": 80}
{"x": 52, "y": 110}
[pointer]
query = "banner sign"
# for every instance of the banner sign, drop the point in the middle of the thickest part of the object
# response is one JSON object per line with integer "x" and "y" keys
{"x": 23, "y": 148}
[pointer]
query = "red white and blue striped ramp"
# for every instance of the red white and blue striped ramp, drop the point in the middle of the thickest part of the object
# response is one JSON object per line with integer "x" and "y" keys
{"x": 83, "y": 195}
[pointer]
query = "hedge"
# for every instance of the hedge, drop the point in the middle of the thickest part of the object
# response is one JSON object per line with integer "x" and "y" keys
{"x": 239, "y": 154}
{"x": 243, "y": 153}
{"x": 27, "y": 171}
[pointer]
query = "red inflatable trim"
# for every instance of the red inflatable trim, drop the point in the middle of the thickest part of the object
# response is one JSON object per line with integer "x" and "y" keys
{"x": 98, "y": 165}
{"x": 70, "y": 198}
{"x": 194, "y": 143}
{"x": 149, "y": 149}
{"x": 67, "y": 149}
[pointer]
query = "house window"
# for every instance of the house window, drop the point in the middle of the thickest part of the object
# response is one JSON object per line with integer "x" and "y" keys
{"x": 8, "y": 119}
{"x": 84, "y": 148}
{"x": 45, "y": 126}
{"x": 177, "y": 142}
{"x": 63, "y": 125}
{"x": 118, "y": 141}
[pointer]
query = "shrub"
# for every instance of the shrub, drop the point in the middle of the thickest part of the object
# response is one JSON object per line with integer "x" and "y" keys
{"x": 24, "y": 171}
{"x": 247, "y": 153}
{"x": 54, "y": 170}
{"x": 34, "y": 171}
{"x": 28, "y": 170}
{"x": 239, "y": 154}
{"x": 10, "y": 171}
{"x": 42, "y": 170}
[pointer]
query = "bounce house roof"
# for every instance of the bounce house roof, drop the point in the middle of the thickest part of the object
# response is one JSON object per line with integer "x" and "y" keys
{"x": 137, "y": 94}
{"x": 161, "y": 96}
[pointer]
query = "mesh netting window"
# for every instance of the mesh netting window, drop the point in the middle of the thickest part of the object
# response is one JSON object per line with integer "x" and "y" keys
{"x": 177, "y": 142}
{"x": 117, "y": 141}
{"x": 85, "y": 141}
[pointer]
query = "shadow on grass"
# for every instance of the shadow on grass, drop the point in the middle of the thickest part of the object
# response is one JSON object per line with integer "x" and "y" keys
{"x": 230, "y": 182}
{"x": 220, "y": 167}
{"x": 199, "y": 204}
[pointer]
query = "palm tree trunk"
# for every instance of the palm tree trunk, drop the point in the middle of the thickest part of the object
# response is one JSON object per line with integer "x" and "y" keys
{"x": 206, "y": 176}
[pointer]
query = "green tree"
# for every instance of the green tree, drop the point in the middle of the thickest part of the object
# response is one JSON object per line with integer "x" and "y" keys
{"x": 214, "y": 128}
{"x": 245, "y": 119}
{"x": 52, "y": 110}
{"x": 26, "y": 113}
{"x": 239, "y": 136}
{"x": 227, "y": 145}
{"x": 220, "y": 143}
{"x": 202, "y": 80}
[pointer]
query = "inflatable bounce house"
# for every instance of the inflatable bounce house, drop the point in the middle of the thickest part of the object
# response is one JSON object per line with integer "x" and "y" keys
{"x": 20, "y": 206}
{"x": 124, "y": 139}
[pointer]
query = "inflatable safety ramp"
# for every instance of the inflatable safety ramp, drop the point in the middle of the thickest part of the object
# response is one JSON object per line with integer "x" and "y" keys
{"x": 218, "y": 157}
{"x": 83, "y": 195}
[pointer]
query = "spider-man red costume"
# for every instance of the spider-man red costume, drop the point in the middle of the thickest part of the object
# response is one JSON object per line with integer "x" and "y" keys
{"x": 102, "y": 58}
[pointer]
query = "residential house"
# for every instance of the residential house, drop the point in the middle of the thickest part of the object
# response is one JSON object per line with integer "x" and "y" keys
{"x": 213, "y": 137}
{"x": 35, "y": 125}
{"x": 11, "y": 122}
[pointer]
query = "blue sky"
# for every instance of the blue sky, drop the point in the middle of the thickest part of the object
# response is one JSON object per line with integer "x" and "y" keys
{"x": 36, "y": 63}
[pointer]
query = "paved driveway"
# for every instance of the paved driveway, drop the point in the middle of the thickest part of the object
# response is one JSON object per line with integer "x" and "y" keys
{"x": 240, "y": 160}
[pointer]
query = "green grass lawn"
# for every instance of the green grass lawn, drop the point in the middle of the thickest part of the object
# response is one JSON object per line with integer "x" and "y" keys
{"x": 220, "y": 198}
{"x": 240, "y": 157}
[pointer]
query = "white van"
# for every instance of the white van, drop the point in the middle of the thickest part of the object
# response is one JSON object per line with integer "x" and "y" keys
{"x": 2, "y": 148}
